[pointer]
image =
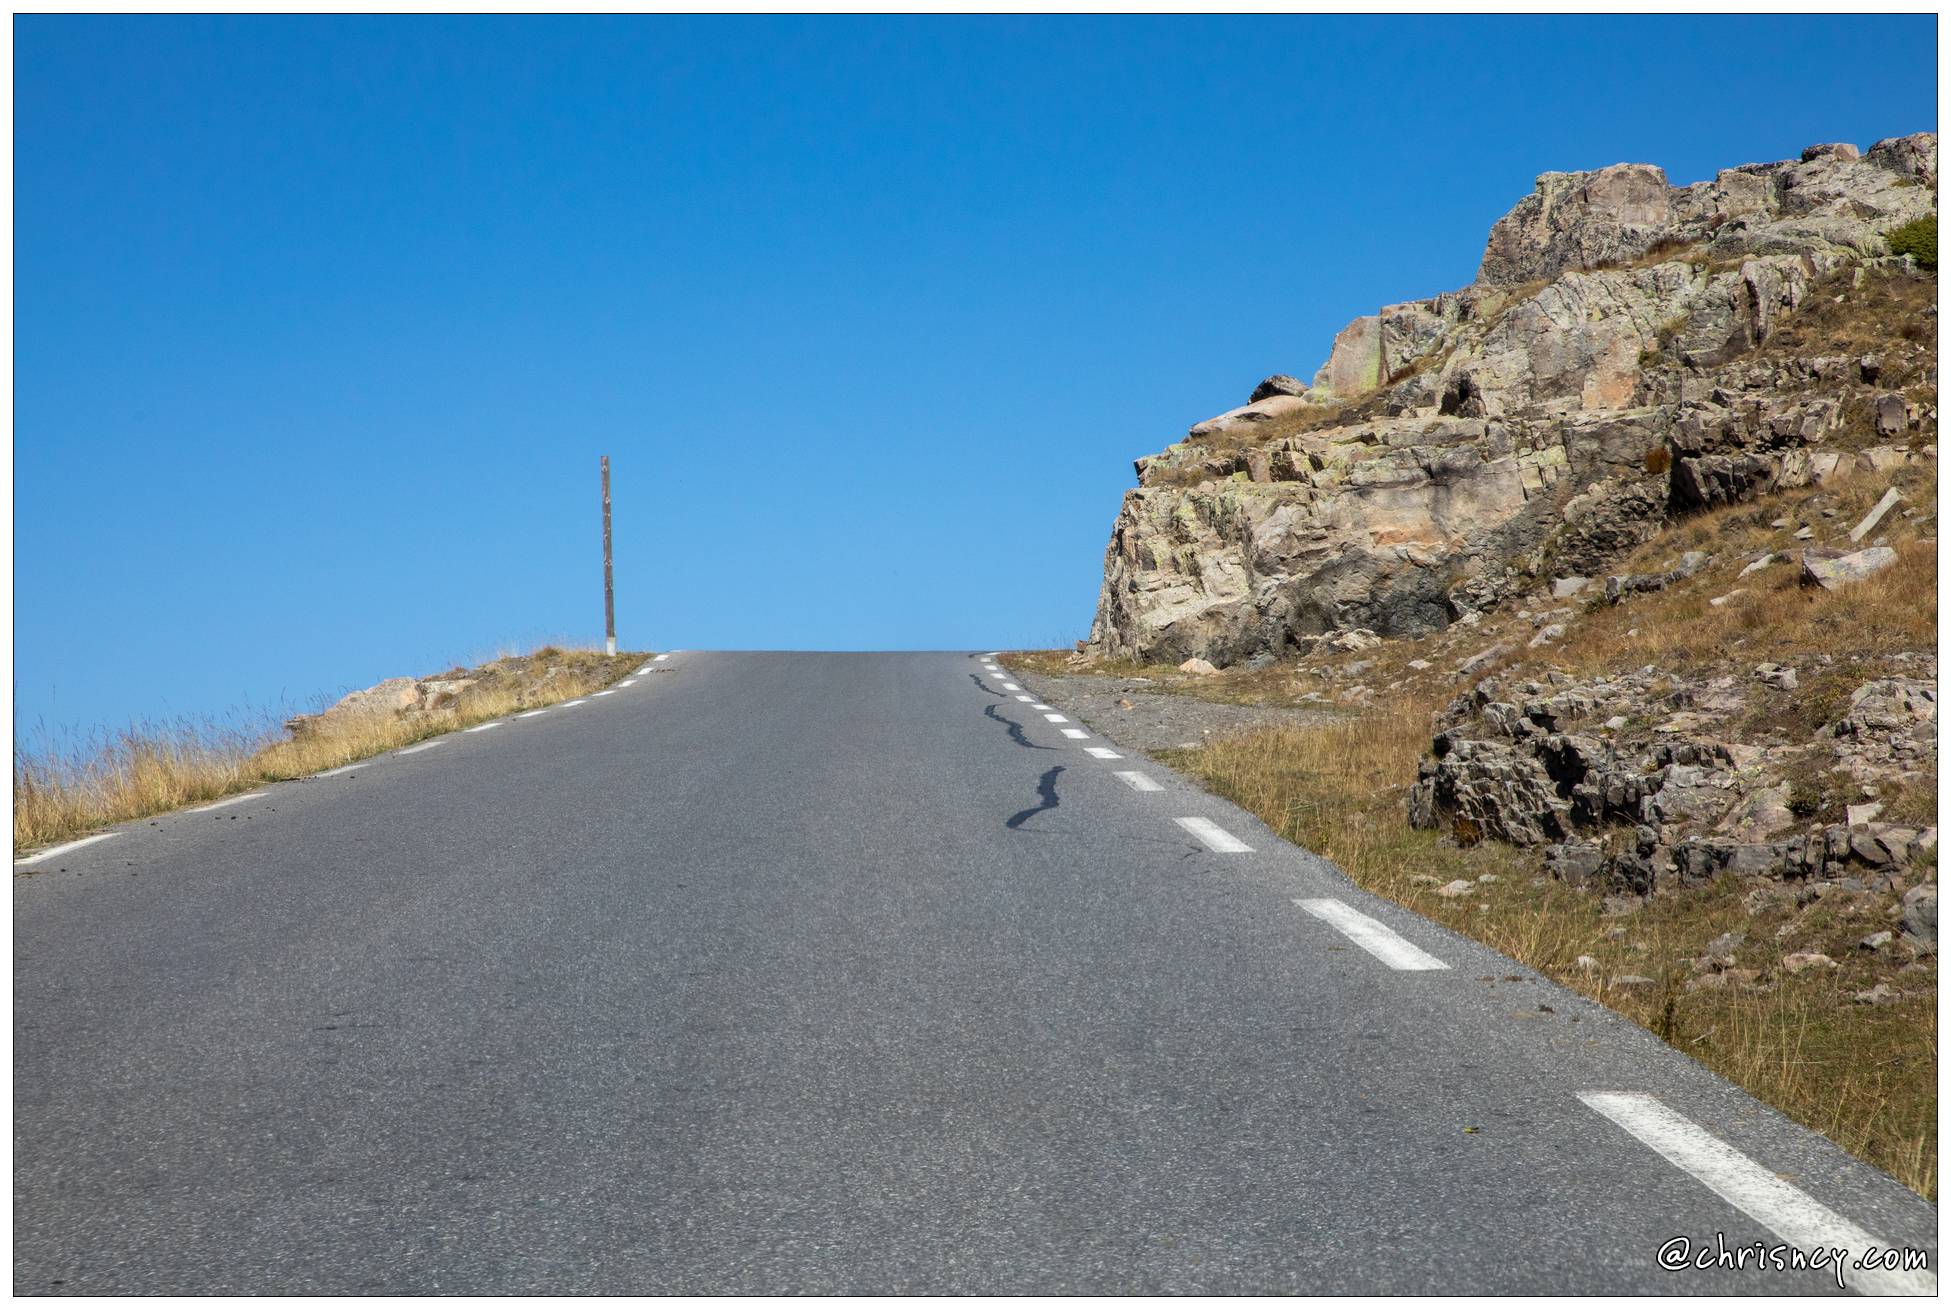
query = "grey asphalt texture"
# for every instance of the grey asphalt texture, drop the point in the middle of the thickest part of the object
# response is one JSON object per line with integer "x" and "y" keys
{"x": 813, "y": 973}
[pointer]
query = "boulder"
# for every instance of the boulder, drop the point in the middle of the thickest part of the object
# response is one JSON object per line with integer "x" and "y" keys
{"x": 393, "y": 696}
{"x": 1832, "y": 569}
{"x": 1892, "y": 414}
{"x": 1280, "y": 384}
{"x": 1199, "y": 667}
{"x": 1920, "y": 913}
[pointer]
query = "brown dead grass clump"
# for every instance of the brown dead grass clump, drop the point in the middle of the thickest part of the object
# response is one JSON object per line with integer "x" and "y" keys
{"x": 154, "y": 769}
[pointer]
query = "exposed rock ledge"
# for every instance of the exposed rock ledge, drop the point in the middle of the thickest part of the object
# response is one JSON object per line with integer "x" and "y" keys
{"x": 1592, "y": 378}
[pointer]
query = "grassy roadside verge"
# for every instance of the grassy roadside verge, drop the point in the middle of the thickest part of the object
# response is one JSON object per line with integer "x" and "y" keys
{"x": 143, "y": 772}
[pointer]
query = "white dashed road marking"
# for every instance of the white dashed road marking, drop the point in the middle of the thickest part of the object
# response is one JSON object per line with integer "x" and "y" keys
{"x": 1026, "y": 698}
{"x": 343, "y": 768}
{"x": 1010, "y": 686}
{"x": 1790, "y": 1213}
{"x": 1056, "y": 718}
{"x": 1076, "y": 734}
{"x": 423, "y": 746}
{"x": 1136, "y": 780}
{"x": 531, "y": 714}
{"x": 65, "y": 847}
{"x": 666, "y": 655}
{"x": 628, "y": 682}
{"x": 1213, "y": 835}
{"x": 608, "y": 691}
{"x": 228, "y": 800}
{"x": 1379, "y": 940}
{"x": 580, "y": 700}
{"x": 1102, "y": 753}
{"x": 483, "y": 727}
{"x": 1039, "y": 707}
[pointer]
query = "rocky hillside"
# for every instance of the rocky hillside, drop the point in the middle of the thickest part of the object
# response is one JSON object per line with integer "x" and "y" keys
{"x": 1615, "y": 364}
{"x": 1609, "y": 584}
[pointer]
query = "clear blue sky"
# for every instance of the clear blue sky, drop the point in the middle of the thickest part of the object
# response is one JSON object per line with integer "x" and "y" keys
{"x": 323, "y": 322}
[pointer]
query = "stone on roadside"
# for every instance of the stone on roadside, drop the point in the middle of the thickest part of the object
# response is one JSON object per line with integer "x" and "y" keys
{"x": 1776, "y": 676}
{"x": 1197, "y": 666}
{"x": 1758, "y": 565}
{"x": 1566, "y": 588}
{"x": 1452, "y": 890}
{"x": 1877, "y": 995}
{"x": 1876, "y": 941}
{"x": 1803, "y": 961}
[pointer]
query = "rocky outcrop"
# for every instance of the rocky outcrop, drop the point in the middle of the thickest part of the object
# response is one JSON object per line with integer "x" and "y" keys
{"x": 1600, "y": 374}
{"x": 391, "y": 698}
{"x": 1626, "y": 792}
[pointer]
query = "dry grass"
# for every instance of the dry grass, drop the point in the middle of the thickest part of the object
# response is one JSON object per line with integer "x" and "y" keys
{"x": 1865, "y": 1076}
{"x": 154, "y": 769}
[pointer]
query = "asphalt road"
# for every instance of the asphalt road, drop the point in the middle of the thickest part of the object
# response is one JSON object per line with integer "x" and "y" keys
{"x": 833, "y": 973}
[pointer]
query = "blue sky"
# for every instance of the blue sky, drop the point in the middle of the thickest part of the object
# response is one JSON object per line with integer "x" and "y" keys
{"x": 322, "y": 323}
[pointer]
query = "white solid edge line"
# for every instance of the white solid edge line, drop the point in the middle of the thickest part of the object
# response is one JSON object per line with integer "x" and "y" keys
{"x": 628, "y": 682}
{"x": 1056, "y": 718}
{"x": 53, "y": 851}
{"x": 1788, "y": 1212}
{"x": 1076, "y": 734}
{"x": 1136, "y": 780}
{"x": 343, "y": 768}
{"x": 1103, "y": 753}
{"x": 1213, "y": 835}
{"x": 228, "y": 800}
{"x": 1378, "y": 939}
{"x": 483, "y": 727}
{"x": 531, "y": 714}
{"x": 414, "y": 750}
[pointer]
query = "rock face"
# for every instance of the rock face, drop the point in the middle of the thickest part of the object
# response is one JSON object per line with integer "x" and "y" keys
{"x": 1596, "y": 376}
{"x": 1671, "y": 800}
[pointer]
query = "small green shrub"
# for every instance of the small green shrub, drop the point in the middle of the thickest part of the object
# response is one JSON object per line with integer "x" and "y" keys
{"x": 1918, "y": 239}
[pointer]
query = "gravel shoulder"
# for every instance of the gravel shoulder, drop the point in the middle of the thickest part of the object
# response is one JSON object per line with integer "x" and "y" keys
{"x": 1132, "y": 713}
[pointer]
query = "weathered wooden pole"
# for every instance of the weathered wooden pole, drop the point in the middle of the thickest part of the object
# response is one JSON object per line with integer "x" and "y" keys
{"x": 609, "y": 578}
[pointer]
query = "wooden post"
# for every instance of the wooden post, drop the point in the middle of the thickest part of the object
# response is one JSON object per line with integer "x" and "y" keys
{"x": 609, "y": 582}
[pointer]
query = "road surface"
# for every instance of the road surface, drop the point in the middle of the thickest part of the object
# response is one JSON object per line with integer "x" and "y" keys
{"x": 836, "y": 973}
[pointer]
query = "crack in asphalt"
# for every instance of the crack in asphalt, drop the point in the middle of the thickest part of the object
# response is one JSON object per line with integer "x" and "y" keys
{"x": 1046, "y": 790}
{"x": 1015, "y": 730}
{"x": 976, "y": 678}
